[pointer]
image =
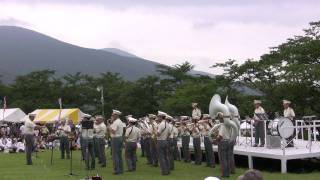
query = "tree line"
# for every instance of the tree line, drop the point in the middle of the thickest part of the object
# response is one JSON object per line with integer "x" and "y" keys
{"x": 290, "y": 70}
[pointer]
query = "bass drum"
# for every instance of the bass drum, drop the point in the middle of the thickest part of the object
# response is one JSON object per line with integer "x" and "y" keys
{"x": 276, "y": 127}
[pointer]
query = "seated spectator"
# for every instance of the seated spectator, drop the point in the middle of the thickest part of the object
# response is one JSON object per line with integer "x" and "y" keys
{"x": 5, "y": 144}
{"x": 251, "y": 174}
{"x": 20, "y": 147}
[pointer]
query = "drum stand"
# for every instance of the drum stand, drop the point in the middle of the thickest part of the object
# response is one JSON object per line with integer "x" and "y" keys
{"x": 247, "y": 141}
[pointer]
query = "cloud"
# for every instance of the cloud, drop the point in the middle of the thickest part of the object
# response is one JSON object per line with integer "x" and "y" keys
{"x": 12, "y": 22}
{"x": 169, "y": 31}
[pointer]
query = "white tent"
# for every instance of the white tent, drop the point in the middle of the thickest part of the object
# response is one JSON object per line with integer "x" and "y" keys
{"x": 11, "y": 115}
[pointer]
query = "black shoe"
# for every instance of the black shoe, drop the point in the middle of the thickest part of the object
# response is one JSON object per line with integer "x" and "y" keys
{"x": 255, "y": 145}
{"x": 103, "y": 165}
{"x": 262, "y": 145}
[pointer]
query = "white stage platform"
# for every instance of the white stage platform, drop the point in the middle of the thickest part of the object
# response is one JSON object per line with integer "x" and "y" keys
{"x": 300, "y": 151}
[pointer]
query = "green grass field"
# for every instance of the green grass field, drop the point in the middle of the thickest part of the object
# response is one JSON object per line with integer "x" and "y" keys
{"x": 13, "y": 167}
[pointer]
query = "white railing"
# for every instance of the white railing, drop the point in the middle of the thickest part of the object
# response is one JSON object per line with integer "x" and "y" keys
{"x": 300, "y": 127}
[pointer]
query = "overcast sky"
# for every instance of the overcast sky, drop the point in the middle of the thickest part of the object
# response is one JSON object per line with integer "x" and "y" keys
{"x": 168, "y": 31}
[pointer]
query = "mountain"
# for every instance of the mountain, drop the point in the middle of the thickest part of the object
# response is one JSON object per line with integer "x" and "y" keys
{"x": 23, "y": 51}
{"x": 120, "y": 52}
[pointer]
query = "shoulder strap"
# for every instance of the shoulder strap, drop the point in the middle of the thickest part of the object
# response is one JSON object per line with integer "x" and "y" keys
{"x": 165, "y": 126}
{"x": 130, "y": 131}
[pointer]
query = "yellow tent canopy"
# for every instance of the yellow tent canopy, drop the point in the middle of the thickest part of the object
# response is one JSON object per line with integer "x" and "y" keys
{"x": 44, "y": 116}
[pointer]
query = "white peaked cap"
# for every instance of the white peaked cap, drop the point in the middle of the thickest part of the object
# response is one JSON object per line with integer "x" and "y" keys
{"x": 116, "y": 112}
{"x": 286, "y": 102}
{"x": 184, "y": 117}
{"x": 131, "y": 119}
{"x": 194, "y": 104}
{"x": 160, "y": 113}
{"x": 211, "y": 178}
{"x": 257, "y": 102}
{"x": 206, "y": 115}
{"x": 169, "y": 117}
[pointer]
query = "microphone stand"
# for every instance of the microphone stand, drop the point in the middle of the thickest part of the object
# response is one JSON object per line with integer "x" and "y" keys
{"x": 70, "y": 146}
{"x": 52, "y": 152}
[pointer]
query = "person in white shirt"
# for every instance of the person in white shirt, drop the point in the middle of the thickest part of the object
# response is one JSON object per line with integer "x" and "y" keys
{"x": 196, "y": 112}
{"x": 116, "y": 132}
{"x": 170, "y": 141}
{"x": 132, "y": 136}
{"x": 153, "y": 140}
{"x": 175, "y": 136}
{"x": 5, "y": 144}
{"x": 196, "y": 134}
{"x": 288, "y": 112}
{"x": 185, "y": 139}
{"x": 29, "y": 127}
{"x": 19, "y": 146}
{"x": 100, "y": 130}
{"x": 63, "y": 131}
{"x": 259, "y": 124}
{"x": 224, "y": 146}
{"x": 162, "y": 143}
{"x": 207, "y": 142}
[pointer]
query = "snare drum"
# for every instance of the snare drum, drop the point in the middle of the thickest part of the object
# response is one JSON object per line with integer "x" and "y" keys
{"x": 276, "y": 129}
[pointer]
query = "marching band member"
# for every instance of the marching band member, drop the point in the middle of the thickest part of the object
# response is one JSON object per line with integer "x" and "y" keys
{"x": 116, "y": 132}
{"x": 63, "y": 131}
{"x": 185, "y": 134}
{"x": 175, "y": 135}
{"x": 29, "y": 127}
{"x": 154, "y": 121}
{"x": 224, "y": 147}
{"x": 207, "y": 142}
{"x": 196, "y": 112}
{"x": 143, "y": 144}
{"x": 170, "y": 142}
{"x": 100, "y": 130}
{"x": 288, "y": 112}
{"x": 147, "y": 139}
{"x": 132, "y": 136}
{"x": 162, "y": 143}
{"x": 259, "y": 124}
{"x": 195, "y": 133}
